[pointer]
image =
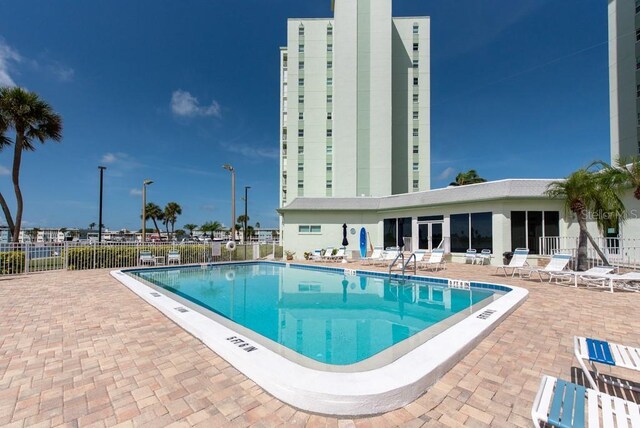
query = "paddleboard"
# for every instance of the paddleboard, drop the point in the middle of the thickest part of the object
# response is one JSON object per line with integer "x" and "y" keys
{"x": 363, "y": 242}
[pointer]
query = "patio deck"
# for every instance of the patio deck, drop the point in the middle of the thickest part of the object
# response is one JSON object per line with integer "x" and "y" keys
{"x": 80, "y": 349}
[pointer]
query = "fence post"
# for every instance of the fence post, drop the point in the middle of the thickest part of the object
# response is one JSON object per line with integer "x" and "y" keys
{"x": 26, "y": 257}
{"x": 66, "y": 256}
{"x": 94, "y": 253}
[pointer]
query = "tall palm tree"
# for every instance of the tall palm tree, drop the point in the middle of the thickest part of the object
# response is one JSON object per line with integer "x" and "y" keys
{"x": 190, "y": 227}
{"x": 630, "y": 173}
{"x": 171, "y": 212}
{"x": 32, "y": 119}
{"x": 211, "y": 227}
{"x": 469, "y": 177}
{"x": 5, "y": 142}
{"x": 91, "y": 226}
{"x": 154, "y": 212}
{"x": 587, "y": 192}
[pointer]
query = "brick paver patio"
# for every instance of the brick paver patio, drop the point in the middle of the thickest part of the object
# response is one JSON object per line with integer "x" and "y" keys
{"x": 80, "y": 349}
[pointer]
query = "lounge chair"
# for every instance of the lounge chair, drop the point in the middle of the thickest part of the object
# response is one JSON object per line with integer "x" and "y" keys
{"x": 470, "y": 256}
{"x": 596, "y": 274}
{"x": 339, "y": 255}
{"x": 435, "y": 262}
{"x": 327, "y": 254}
{"x": 557, "y": 264}
{"x": 146, "y": 258}
{"x": 483, "y": 258}
{"x": 316, "y": 255}
{"x": 563, "y": 404}
{"x": 629, "y": 281}
{"x": 518, "y": 260}
{"x": 388, "y": 256}
{"x": 375, "y": 256}
{"x": 598, "y": 351}
{"x": 173, "y": 257}
{"x": 419, "y": 258}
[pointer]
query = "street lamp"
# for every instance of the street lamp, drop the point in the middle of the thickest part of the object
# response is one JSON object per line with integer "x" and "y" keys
{"x": 145, "y": 183}
{"x": 233, "y": 199}
{"x": 101, "y": 168}
{"x": 245, "y": 220}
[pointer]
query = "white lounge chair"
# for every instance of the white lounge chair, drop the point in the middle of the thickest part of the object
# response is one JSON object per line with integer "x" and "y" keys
{"x": 316, "y": 255}
{"x": 341, "y": 254}
{"x": 173, "y": 257}
{"x": 418, "y": 256}
{"x": 436, "y": 261}
{"x": 327, "y": 254}
{"x": 518, "y": 260}
{"x": 146, "y": 258}
{"x": 388, "y": 256}
{"x": 613, "y": 354}
{"x": 470, "y": 256}
{"x": 563, "y": 404}
{"x": 596, "y": 275}
{"x": 558, "y": 263}
{"x": 483, "y": 258}
{"x": 629, "y": 281}
{"x": 375, "y": 256}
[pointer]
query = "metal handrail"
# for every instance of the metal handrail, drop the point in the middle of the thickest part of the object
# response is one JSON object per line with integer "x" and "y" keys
{"x": 400, "y": 255}
{"x": 415, "y": 263}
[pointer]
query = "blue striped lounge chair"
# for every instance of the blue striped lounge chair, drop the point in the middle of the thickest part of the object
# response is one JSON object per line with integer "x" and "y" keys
{"x": 612, "y": 354}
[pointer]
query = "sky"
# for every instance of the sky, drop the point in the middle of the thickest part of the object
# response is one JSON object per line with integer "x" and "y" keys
{"x": 172, "y": 90}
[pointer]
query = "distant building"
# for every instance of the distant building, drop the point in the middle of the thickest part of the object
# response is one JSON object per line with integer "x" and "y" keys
{"x": 355, "y": 108}
{"x": 624, "y": 77}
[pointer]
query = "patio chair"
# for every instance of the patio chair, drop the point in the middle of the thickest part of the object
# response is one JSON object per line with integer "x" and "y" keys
{"x": 316, "y": 255}
{"x": 470, "y": 256}
{"x": 341, "y": 254}
{"x": 146, "y": 258}
{"x": 436, "y": 261}
{"x": 483, "y": 258}
{"x": 598, "y": 351}
{"x": 419, "y": 258}
{"x": 518, "y": 260}
{"x": 563, "y": 404}
{"x": 595, "y": 275}
{"x": 375, "y": 256}
{"x": 173, "y": 256}
{"x": 327, "y": 254}
{"x": 388, "y": 256}
{"x": 558, "y": 263}
{"x": 629, "y": 281}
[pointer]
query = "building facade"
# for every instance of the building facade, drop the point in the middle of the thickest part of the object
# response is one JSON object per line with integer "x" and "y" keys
{"x": 624, "y": 77}
{"x": 355, "y": 104}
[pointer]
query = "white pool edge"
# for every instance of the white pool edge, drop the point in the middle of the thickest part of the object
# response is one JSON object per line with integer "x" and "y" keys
{"x": 341, "y": 394}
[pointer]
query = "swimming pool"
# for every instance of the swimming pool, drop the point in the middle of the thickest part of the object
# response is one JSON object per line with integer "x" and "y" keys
{"x": 328, "y": 340}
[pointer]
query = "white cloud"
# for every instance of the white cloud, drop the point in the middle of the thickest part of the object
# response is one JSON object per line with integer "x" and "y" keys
{"x": 135, "y": 192}
{"x": 109, "y": 158}
{"x": 448, "y": 172}
{"x": 8, "y": 57}
{"x": 61, "y": 72}
{"x": 186, "y": 105}
{"x": 252, "y": 152}
{"x": 4, "y": 170}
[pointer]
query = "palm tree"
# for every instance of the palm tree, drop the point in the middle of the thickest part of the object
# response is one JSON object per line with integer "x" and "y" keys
{"x": 91, "y": 226}
{"x": 469, "y": 177}
{"x": 171, "y": 212}
{"x": 211, "y": 226}
{"x": 153, "y": 212}
{"x": 32, "y": 119}
{"x": 258, "y": 225}
{"x": 630, "y": 173}
{"x": 190, "y": 227}
{"x": 588, "y": 192}
{"x": 5, "y": 142}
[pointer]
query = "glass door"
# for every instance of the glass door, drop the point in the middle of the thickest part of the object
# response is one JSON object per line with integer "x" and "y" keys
{"x": 429, "y": 235}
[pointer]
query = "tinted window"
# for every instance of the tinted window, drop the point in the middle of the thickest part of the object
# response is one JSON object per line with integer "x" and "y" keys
{"x": 518, "y": 230}
{"x": 481, "y": 231}
{"x": 390, "y": 232}
{"x": 459, "y": 226}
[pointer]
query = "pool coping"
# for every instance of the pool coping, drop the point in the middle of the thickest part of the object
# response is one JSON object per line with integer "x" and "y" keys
{"x": 338, "y": 393}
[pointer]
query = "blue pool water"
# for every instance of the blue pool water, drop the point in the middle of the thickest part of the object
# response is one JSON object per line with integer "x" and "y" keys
{"x": 327, "y": 316}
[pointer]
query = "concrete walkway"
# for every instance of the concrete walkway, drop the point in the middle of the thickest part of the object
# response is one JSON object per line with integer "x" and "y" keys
{"x": 79, "y": 349}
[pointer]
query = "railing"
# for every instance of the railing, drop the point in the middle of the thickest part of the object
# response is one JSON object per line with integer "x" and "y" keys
{"x": 623, "y": 252}
{"x": 24, "y": 258}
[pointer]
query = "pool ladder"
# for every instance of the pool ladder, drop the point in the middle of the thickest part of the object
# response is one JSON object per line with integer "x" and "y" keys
{"x": 404, "y": 265}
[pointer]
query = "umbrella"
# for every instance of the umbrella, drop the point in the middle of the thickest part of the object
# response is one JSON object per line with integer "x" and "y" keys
{"x": 345, "y": 284}
{"x": 344, "y": 235}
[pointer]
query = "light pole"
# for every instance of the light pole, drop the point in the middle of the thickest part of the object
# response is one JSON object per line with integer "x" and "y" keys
{"x": 145, "y": 183}
{"x": 245, "y": 220}
{"x": 233, "y": 199}
{"x": 101, "y": 168}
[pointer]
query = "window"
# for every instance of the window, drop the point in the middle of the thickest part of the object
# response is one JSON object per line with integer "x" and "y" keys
{"x": 300, "y": 99}
{"x": 638, "y": 35}
{"x": 415, "y": 185}
{"x": 300, "y": 115}
{"x": 415, "y": 63}
{"x": 415, "y": 150}
{"x": 415, "y": 98}
{"x": 329, "y": 150}
{"x": 415, "y": 115}
{"x": 301, "y": 81}
{"x": 473, "y": 230}
{"x": 329, "y": 184}
{"x": 415, "y": 132}
{"x": 329, "y": 30}
{"x": 638, "y": 91}
{"x": 395, "y": 229}
{"x": 301, "y": 65}
{"x": 329, "y": 132}
{"x": 415, "y": 28}
{"x": 300, "y": 184}
{"x": 301, "y": 30}
{"x": 329, "y": 167}
{"x": 300, "y": 132}
{"x": 416, "y": 166}
{"x": 637, "y": 6}
{"x": 300, "y": 167}
{"x": 300, "y": 150}
{"x": 329, "y": 81}
{"x": 415, "y": 81}
{"x": 637, "y": 63}
{"x": 329, "y": 115}
{"x": 303, "y": 228}
{"x": 415, "y": 47}
{"x": 329, "y": 47}
{"x": 329, "y": 98}
{"x": 301, "y": 48}
{"x": 527, "y": 227}
{"x": 329, "y": 64}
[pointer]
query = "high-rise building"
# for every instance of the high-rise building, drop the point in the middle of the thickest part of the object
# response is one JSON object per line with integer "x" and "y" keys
{"x": 355, "y": 108}
{"x": 624, "y": 77}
